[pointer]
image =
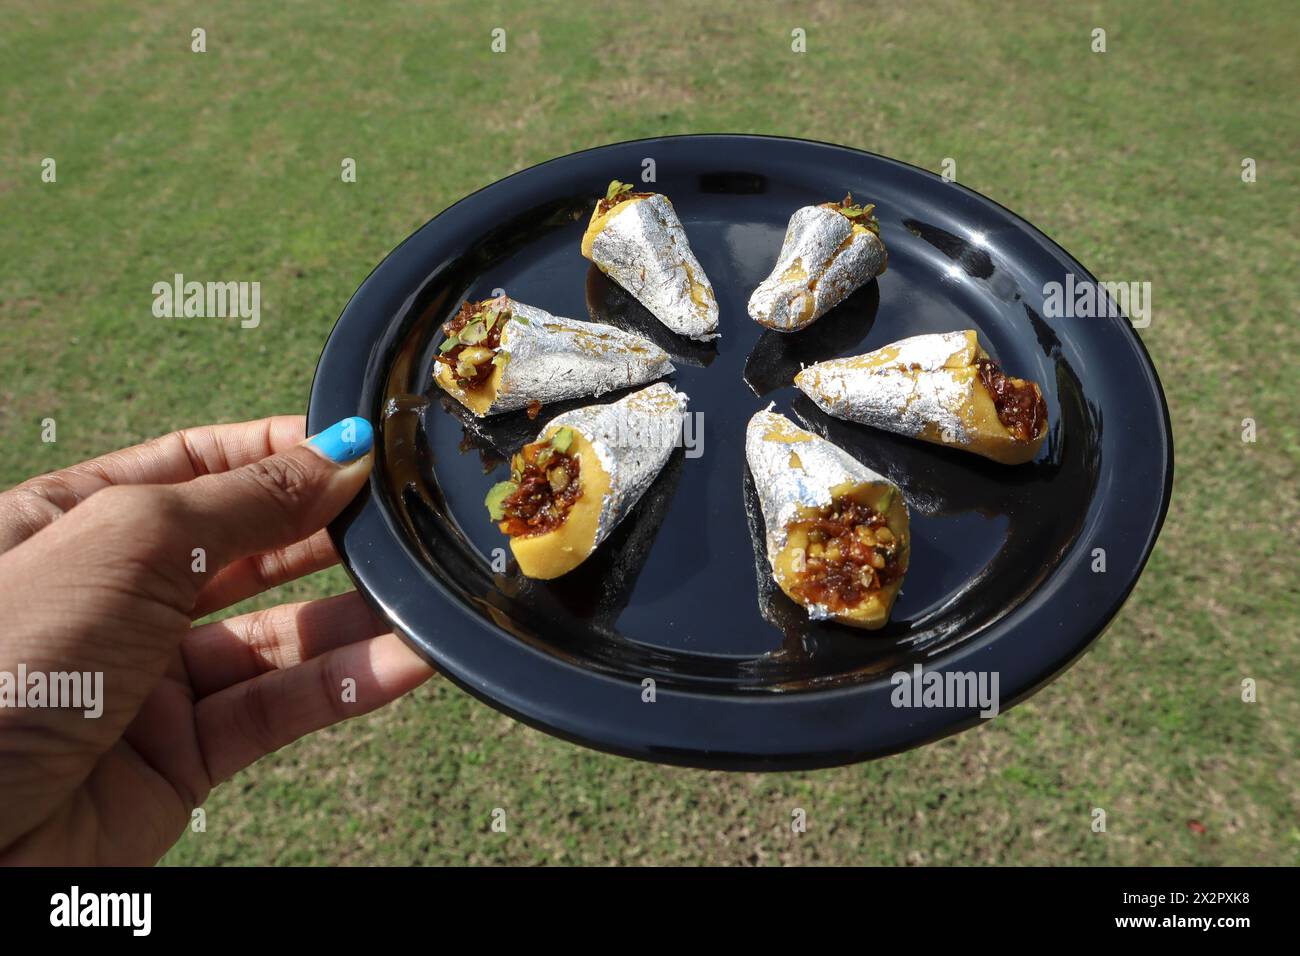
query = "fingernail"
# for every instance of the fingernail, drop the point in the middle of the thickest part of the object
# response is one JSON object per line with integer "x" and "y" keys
{"x": 344, "y": 441}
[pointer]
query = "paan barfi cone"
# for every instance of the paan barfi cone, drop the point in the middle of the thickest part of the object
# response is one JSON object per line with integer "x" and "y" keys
{"x": 836, "y": 531}
{"x": 501, "y": 355}
{"x": 636, "y": 239}
{"x": 587, "y": 469}
{"x": 941, "y": 388}
{"x": 829, "y": 251}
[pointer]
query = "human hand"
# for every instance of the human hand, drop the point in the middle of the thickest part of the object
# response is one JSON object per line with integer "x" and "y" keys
{"x": 99, "y": 573}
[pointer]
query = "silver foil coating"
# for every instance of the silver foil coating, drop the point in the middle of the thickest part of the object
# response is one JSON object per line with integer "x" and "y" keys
{"x": 643, "y": 248}
{"x": 794, "y": 469}
{"x": 553, "y": 359}
{"x": 913, "y": 386}
{"x": 822, "y": 262}
{"x": 633, "y": 438}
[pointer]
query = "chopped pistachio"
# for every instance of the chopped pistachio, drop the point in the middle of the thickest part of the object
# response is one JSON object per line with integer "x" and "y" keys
{"x": 450, "y": 343}
{"x": 859, "y": 214}
{"x": 496, "y": 496}
{"x": 473, "y": 333}
{"x": 562, "y": 439}
{"x": 501, "y": 358}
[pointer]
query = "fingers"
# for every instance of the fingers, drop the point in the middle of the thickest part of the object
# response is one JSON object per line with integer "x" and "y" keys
{"x": 179, "y": 456}
{"x": 225, "y": 653}
{"x": 243, "y": 723}
{"x": 272, "y": 503}
{"x": 261, "y": 572}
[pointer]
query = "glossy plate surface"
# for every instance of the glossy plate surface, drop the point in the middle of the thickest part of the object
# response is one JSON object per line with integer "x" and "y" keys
{"x": 1001, "y": 577}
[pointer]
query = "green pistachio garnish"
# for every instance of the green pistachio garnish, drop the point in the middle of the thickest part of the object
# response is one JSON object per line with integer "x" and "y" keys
{"x": 617, "y": 189}
{"x": 860, "y": 214}
{"x": 496, "y": 497}
{"x": 474, "y": 333}
{"x": 501, "y": 358}
{"x": 562, "y": 439}
{"x": 450, "y": 343}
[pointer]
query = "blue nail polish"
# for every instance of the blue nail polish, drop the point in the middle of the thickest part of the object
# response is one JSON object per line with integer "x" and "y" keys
{"x": 345, "y": 441}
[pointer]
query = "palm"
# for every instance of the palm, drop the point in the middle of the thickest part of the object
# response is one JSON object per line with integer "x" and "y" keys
{"x": 142, "y": 790}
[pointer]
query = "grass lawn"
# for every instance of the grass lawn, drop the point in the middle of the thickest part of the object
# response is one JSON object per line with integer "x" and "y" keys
{"x": 225, "y": 165}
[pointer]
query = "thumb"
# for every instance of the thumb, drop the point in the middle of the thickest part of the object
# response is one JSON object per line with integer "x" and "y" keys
{"x": 280, "y": 499}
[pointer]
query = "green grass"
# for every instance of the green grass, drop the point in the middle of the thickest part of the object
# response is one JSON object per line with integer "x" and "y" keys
{"x": 226, "y": 165}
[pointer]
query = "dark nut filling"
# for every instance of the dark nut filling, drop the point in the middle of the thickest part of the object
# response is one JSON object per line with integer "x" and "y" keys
{"x": 470, "y": 349}
{"x": 849, "y": 554}
{"x": 544, "y": 483}
{"x": 1020, "y": 405}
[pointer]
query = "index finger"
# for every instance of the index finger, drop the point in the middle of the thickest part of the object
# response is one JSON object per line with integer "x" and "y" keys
{"x": 176, "y": 457}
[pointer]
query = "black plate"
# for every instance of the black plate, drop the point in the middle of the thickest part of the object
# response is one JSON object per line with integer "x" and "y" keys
{"x": 1001, "y": 575}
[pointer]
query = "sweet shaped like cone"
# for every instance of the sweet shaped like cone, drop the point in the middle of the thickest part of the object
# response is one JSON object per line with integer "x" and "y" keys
{"x": 795, "y": 473}
{"x": 621, "y": 447}
{"x": 609, "y": 302}
{"x": 825, "y": 257}
{"x": 598, "y": 591}
{"x": 641, "y": 245}
{"x": 926, "y": 387}
{"x": 550, "y": 359}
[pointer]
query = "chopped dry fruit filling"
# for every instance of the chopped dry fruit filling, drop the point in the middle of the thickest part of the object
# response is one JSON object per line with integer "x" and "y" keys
{"x": 1019, "y": 403}
{"x": 859, "y": 215}
{"x": 473, "y": 338}
{"x": 544, "y": 483}
{"x": 617, "y": 193}
{"x": 849, "y": 552}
